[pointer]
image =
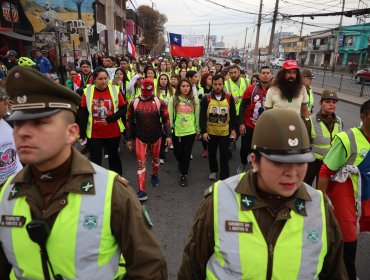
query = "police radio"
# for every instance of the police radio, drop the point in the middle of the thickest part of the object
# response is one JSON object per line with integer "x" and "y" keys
{"x": 38, "y": 231}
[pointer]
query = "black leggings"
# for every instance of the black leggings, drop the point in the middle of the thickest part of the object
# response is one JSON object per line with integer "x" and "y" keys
{"x": 245, "y": 147}
{"x": 182, "y": 147}
{"x": 221, "y": 143}
{"x": 110, "y": 146}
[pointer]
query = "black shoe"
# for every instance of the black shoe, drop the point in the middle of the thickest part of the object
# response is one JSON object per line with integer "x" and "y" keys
{"x": 183, "y": 181}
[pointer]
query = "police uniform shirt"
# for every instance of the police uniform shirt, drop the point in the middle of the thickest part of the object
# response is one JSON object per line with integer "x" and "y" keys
{"x": 200, "y": 246}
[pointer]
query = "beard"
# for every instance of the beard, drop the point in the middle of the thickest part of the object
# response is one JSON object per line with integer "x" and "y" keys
{"x": 290, "y": 88}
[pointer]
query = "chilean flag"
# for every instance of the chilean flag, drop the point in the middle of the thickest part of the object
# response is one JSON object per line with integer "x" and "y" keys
{"x": 186, "y": 45}
{"x": 131, "y": 47}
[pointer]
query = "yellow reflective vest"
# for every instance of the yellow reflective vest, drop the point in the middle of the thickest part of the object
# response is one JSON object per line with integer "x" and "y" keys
{"x": 80, "y": 244}
{"x": 237, "y": 90}
{"x": 311, "y": 100}
{"x": 242, "y": 252}
{"x": 89, "y": 93}
{"x": 322, "y": 137}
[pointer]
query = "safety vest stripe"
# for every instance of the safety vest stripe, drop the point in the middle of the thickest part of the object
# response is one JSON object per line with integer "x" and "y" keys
{"x": 87, "y": 255}
{"x": 317, "y": 222}
{"x": 353, "y": 147}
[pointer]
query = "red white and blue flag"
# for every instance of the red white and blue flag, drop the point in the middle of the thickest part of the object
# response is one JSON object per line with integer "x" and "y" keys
{"x": 186, "y": 45}
{"x": 131, "y": 47}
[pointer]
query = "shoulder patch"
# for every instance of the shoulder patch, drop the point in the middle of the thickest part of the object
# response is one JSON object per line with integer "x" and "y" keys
{"x": 122, "y": 180}
{"x": 208, "y": 191}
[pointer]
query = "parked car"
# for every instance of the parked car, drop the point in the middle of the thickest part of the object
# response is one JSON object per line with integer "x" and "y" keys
{"x": 279, "y": 63}
{"x": 362, "y": 75}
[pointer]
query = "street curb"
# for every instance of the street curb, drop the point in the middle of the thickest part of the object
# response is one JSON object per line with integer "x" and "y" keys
{"x": 342, "y": 99}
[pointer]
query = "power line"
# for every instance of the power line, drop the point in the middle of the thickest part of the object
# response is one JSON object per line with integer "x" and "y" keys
{"x": 349, "y": 13}
{"x": 229, "y": 8}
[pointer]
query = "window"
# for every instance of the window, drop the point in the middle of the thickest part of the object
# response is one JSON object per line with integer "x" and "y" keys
{"x": 100, "y": 13}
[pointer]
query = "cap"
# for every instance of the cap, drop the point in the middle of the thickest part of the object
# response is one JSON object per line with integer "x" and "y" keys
{"x": 3, "y": 94}
{"x": 290, "y": 64}
{"x": 147, "y": 87}
{"x": 11, "y": 53}
{"x": 280, "y": 135}
{"x": 329, "y": 94}
{"x": 35, "y": 96}
{"x": 26, "y": 61}
{"x": 307, "y": 73}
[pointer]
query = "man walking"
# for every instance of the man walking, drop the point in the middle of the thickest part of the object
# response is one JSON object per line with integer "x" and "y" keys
{"x": 82, "y": 216}
{"x": 287, "y": 90}
{"x": 307, "y": 77}
{"x": 217, "y": 133}
{"x": 42, "y": 63}
{"x": 146, "y": 115}
{"x": 252, "y": 106}
{"x": 345, "y": 178}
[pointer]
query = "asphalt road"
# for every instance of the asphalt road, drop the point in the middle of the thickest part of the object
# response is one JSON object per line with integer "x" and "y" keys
{"x": 172, "y": 207}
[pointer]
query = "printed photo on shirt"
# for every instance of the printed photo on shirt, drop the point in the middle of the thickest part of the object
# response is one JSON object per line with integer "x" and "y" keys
{"x": 223, "y": 114}
{"x": 101, "y": 109}
{"x": 213, "y": 115}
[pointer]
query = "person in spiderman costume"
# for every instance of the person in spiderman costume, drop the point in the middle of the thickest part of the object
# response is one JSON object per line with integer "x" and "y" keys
{"x": 146, "y": 115}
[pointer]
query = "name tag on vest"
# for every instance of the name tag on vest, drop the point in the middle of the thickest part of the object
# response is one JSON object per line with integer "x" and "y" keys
{"x": 12, "y": 221}
{"x": 236, "y": 226}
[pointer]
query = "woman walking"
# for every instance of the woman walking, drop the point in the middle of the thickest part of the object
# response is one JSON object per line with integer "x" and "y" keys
{"x": 102, "y": 107}
{"x": 183, "y": 109}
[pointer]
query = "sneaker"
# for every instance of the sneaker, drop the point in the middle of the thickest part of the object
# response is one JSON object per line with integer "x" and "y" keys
{"x": 213, "y": 176}
{"x": 142, "y": 196}
{"x": 161, "y": 161}
{"x": 183, "y": 181}
{"x": 171, "y": 147}
{"x": 241, "y": 168}
{"x": 205, "y": 154}
{"x": 154, "y": 181}
{"x": 191, "y": 156}
{"x": 106, "y": 156}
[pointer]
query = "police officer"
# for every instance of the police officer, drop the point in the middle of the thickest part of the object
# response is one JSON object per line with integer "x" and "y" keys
{"x": 266, "y": 223}
{"x": 93, "y": 214}
{"x": 321, "y": 128}
{"x": 307, "y": 77}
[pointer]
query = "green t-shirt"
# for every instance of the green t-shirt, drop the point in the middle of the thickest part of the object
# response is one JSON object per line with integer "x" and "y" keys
{"x": 185, "y": 119}
{"x": 336, "y": 157}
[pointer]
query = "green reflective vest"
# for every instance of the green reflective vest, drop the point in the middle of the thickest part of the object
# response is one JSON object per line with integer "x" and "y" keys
{"x": 244, "y": 254}
{"x": 237, "y": 90}
{"x": 357, "y": 147}
{"x": 321, "y": 136}
{"x": 80, "y": 244}
{"x": 89, "y": 93}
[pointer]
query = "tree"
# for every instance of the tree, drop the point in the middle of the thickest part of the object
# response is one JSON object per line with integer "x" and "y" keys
{"x": 152, "y": 23}
{"x": 78, "y": 4}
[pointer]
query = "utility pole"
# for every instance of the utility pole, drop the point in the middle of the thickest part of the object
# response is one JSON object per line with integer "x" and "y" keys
{"x": 336, "y": 53}
{"x": 272, "y": 33}
{"x": 301, "y": 39}
{"x": 245, "y": 42}
{"x": 255, "y": 67}
{"x": 209, "y": 34}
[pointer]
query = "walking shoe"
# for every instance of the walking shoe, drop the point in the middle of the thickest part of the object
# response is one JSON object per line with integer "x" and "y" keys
{"x": 205, "y": 154}
{"x": 154, "y": 181}
{"x": 106, "y": 156}
{"x": 161, "y": 161}
{"x": 191, "y": 156}
{"x": 241, "y": 168}
{"x": 142, "y": 196}
{"x": 213, "y": 176}
{"x": 183, "y": 181}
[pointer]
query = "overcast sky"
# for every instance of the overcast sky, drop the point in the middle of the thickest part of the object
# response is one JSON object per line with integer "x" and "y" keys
{"x": 192, "y": 17}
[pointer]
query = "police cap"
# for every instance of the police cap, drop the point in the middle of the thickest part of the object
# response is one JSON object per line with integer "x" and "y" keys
{"x": 35, "y": 96}
{"x": 280, "y": 135}
{"x": 308, "y": 74}
{"x": 329, "y": 94}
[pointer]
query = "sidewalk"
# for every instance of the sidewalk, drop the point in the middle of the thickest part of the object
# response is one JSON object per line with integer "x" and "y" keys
{"x": 345, "y": 97}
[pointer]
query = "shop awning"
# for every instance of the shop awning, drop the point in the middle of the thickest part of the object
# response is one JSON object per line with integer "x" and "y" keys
{"x": 18, "y": 36}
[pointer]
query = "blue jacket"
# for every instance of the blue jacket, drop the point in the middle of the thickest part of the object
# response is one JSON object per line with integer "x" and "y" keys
{"x": 42, "y": 64}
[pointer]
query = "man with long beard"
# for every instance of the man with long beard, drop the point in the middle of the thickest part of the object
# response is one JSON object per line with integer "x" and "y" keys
{"x": 287, "y": 90}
